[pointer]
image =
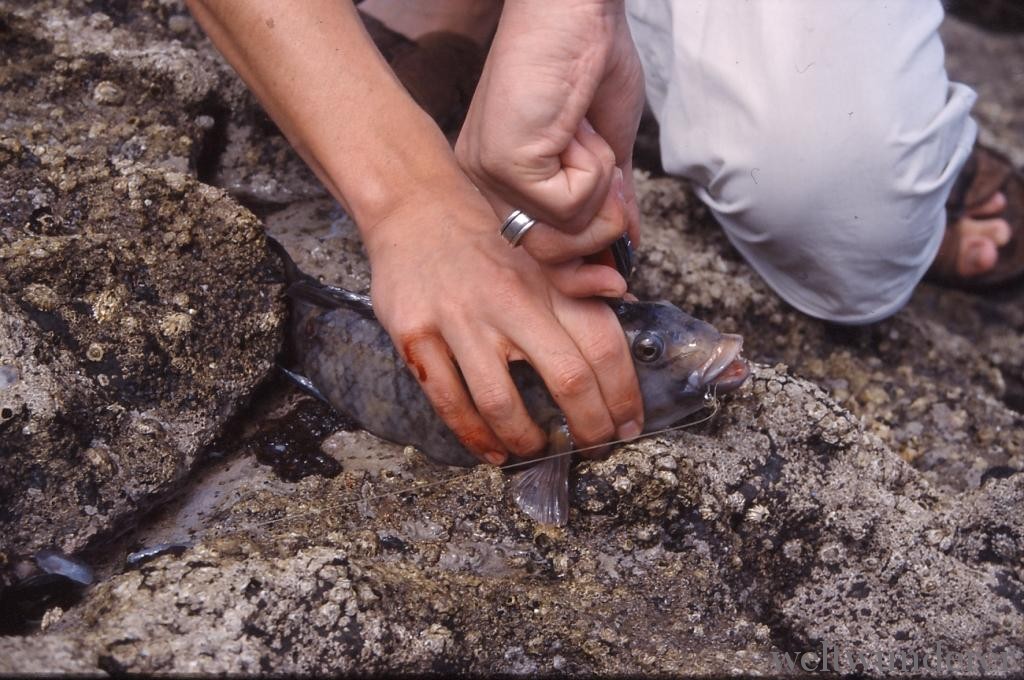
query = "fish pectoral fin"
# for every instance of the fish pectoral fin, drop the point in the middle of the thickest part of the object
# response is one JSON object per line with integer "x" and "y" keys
{"x": 542, "y": 490}
{"x": 304, "y": 384}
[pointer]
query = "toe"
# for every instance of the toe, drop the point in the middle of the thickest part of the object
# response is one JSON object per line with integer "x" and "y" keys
{"x": 977, "y": 256}
{"x": 1000, "y": 232}
{"x": 997, "y": 230}
{"x": 995, "y": 204}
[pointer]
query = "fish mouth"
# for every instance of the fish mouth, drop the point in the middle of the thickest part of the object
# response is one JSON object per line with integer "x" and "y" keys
{"x": 726, "y": 370}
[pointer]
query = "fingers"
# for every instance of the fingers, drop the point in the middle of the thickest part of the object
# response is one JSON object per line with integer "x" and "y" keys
{"x": 567, "y": 191}
{"x": 551, "y": 246}
{"x": 572, "y": 383}
{"x": 579, "y": 279}
{"x": 495, "y": 395}
{"x": 603, "y": 345}
{"x": 426, "y": 355}
{"x": 588, "y": 169}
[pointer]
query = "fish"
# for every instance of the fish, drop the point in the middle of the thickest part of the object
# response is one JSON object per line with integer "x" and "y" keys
{"x": 55, "y": 562}
{"x": 143, "y": 555}
{"x": 32, "y": 585}
{"x": 343, "y": 355}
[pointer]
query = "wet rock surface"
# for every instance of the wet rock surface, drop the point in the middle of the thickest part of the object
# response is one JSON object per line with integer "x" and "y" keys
{"x": 989, "y": 61}
{"x": 776, "y": 525}
{"x": 861, "y": 490}
{"x": 290, "y": 445}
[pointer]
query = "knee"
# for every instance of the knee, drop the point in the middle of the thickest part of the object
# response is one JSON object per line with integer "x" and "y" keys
{"x": 843, "y": 226}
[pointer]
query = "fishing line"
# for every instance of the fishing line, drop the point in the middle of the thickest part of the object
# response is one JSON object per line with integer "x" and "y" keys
{"x": 710, "y": 399}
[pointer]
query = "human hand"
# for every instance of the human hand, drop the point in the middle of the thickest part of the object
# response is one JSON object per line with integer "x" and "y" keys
{"x": 552, "y": 125}
{"x": 455, "y": 298}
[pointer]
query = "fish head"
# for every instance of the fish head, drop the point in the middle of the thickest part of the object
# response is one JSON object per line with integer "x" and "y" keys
{"x": 680, "y": 361}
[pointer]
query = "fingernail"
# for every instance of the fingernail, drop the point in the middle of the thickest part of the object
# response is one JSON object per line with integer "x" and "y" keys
{"x": 630, "y": 430}
{"x": 617, "y": 185}
{"x": 495, "y": 458}
{"x": 587, "y": 127}
{"x": 616, "y": 292}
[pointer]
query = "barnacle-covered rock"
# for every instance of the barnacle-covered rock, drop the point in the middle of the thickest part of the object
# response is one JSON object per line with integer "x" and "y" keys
{"x": 137, "y": 311}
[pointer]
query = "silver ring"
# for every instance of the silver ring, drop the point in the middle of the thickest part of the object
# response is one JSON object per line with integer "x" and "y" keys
{"x": 515, "y": 226}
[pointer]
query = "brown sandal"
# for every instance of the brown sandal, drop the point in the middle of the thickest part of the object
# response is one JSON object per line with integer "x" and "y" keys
{"x": 985, "y": 173}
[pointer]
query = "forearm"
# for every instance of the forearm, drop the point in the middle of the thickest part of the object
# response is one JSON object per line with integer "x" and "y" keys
{"x": 319, "y": 76}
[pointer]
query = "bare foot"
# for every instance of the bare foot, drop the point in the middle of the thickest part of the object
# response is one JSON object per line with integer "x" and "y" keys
{"x": 982, "y": 232}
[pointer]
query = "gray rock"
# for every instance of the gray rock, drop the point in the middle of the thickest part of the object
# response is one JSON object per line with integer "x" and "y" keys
{"x": 986, "y": 526}
{"x": 46, "y": 655}
{"x": 137, "y": 312}
{"x": 990, "y": 63}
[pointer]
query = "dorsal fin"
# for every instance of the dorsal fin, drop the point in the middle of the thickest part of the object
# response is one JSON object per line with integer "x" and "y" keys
{"x": 291, "y": 270}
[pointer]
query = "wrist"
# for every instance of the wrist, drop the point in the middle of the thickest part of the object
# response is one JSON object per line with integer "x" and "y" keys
{"x": 397, "y": 156}
{"x": 427, "y": 214}
{"x": 565, "y": 35}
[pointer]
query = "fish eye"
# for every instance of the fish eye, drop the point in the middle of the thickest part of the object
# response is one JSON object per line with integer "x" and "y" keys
{"x": 648, "y": 347}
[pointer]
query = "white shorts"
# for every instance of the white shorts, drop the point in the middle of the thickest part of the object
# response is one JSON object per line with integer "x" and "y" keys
{"x": 823, "y": 134}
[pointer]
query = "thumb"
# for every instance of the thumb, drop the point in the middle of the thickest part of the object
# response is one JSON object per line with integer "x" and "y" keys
{"x": 588, "y": 167}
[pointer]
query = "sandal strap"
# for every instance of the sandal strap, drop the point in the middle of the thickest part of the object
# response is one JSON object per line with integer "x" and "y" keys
{"x": 985, "y": 172}
{"x": 956, "y": 203}
{"x": 992, "y": 170}
{"x": 943, "y": 268}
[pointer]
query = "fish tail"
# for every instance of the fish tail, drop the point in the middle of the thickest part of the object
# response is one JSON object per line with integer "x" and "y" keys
{"x": 542, "y": 490}
{"x": 330, "y": 297}
{"x": 304, "y": 288}
{"x": 292, "y": 273}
